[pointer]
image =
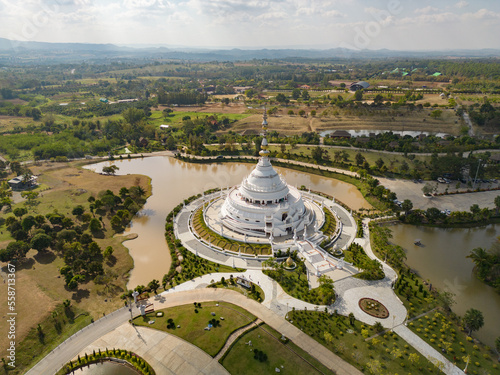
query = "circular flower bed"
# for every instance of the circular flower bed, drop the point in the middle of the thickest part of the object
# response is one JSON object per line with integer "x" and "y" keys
{"x": 373, "y": 307}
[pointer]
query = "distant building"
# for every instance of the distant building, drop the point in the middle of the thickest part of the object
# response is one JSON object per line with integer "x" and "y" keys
{"x": 340, "y": 134}
{"x": 361, "y": 85}
{"x": 143, "y": 142}
{"x": 241, "y": 89}
{"x": 19, "y": 183}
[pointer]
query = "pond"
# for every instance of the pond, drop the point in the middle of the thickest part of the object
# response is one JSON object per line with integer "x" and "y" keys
{"x": 366, "y": 133}
{"x": 173, "y": 181}
{"x": 107, "y": 368}
{"x": 442, "y": 260}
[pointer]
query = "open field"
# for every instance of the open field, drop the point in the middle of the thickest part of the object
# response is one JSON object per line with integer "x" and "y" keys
{"x": 8, "y": 123}
{"x": 340, "y": 119}
{"x": 175, "y": 117}
{"x": 40, "y": 286}
{"x": 285, "y": 356}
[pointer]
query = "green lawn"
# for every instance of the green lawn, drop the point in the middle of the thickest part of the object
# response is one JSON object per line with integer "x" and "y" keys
{"x": 384, "y": 354}
{"x": 192, "y": 322}
{"x": 286, "y": 356}
{"x": 175, "y": 118}
{"x": 257, "y": 295}
{"x": 443, "y": 333}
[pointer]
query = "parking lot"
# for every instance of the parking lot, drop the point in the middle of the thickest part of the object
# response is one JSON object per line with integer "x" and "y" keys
{"x": 407, "y": 189}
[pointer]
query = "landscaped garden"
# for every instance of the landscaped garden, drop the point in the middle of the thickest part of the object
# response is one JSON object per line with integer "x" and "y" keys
{"x": 255, "y": 292}
{"x": 369, "y": 348}
{"x": 216, "y": 239}
{"x": 132, "y": 360}
{"x": 373, "y": 307}
{"x": 446, "y": 336}
{"x": 191, "y": 322}
{"x": 295, "y": 283}
{"x": 262, "y": 350}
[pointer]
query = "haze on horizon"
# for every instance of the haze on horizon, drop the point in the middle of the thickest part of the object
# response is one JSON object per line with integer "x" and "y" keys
{"x": 357, "y": 24}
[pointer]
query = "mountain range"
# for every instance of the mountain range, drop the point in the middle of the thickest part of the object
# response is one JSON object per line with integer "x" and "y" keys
{"x": 28, "y": 51}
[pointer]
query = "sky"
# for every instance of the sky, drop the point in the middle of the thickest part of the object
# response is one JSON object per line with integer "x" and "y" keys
{"x": 355, "y": 24}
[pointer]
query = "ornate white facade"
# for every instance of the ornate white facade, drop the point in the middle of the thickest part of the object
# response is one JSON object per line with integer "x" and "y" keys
{"x": 264, "y": 204}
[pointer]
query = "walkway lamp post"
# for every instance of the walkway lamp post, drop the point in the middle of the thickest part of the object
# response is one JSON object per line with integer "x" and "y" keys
{"x": 477, "y": 172}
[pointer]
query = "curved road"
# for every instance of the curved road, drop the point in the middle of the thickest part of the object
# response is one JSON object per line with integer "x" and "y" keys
{"x": 74, "y": 345}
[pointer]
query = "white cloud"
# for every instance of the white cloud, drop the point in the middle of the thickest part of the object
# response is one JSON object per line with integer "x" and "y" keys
{"x": 426, "y": 10}
{"x": 483, "y": 14}
{"x": 461, "y": 4}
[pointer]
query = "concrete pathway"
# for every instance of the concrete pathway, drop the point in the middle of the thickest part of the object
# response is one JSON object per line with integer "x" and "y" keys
{"x": 166, "y": 353}
{"x": 234, "y": 336}
{"x": 70, "y": 348}
{"x": 427, "y": 351}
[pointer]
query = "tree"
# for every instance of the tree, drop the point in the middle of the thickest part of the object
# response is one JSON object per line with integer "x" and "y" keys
{"x": 427, "y": 189}
{"x": 154, "y": 285}
{"x": 281, "y": 98}
{"x": 305, "y": 95}
{"x": 407, "y": 206}
{"x": 249, "y": 93}
{"x": 108, "y": 252}
{"x": 326, "y": 287}
{"x": 20, "y": 211}
{"x": 436, "y": 113}
{"x": 133, "y": 115}
{"x": 360, "y": 159}
{"x": 317, "y": 154}
{"x": 110, "y": 170}
{"x": 358, "y": 95}
{"x": 497, "y": 203}
{"x": 36, "y": 114}
{"x": 296, "y": 93}
{"x": 446, "y": 299}
{"x": 482, "y": 261}
{"x": 497, "y": 344}
{"x": 14, "y": 251}
{"x": 78, "y": 210}
{"x": 95, "y": 225}
{"x": 379, "y": 163}
{"x": 475, "y": 209}
{"x": 40, "y": 241}
{"x": 30, "y": 197}
{"x": 166, "y": 112}
{"x": 473, "y": 320}
{"x": 352, "y": 319}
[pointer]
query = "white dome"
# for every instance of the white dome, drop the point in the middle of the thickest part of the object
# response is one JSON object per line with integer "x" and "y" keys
{"x": 264, "y": 183}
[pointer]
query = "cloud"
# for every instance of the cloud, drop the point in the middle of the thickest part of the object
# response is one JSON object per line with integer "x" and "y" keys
{"x": 426, "y": 10}
{"x": 483, "y": 14}
{"x": 461, "y": 4}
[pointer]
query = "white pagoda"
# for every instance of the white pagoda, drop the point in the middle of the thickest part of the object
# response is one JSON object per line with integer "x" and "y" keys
{"x": 264, "y": 205}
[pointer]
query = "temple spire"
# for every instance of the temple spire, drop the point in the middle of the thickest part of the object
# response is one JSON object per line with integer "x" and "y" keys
{"x": 264, "y": 152}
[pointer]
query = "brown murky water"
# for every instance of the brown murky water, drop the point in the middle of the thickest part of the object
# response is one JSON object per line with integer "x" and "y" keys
{"x": 442, "y": 260}
{"x": 173, "y": 181}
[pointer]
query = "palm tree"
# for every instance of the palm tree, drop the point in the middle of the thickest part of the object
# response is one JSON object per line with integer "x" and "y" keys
{"x": 482, "y": 261}
{"x": 473, "y": 320}
{"x": 497, "y": 203}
